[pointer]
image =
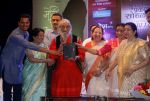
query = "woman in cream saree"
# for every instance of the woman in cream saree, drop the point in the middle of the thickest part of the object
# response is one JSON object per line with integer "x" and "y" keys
{"x": 132, "y": 57}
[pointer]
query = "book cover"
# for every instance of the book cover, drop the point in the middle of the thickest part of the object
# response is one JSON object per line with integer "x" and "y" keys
{"x": 69, "y": 51}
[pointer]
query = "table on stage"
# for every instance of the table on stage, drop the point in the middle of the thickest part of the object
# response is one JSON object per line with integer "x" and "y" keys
{"x": 91, "y": 98}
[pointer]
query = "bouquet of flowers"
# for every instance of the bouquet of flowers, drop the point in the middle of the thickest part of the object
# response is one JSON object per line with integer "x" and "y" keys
{"x": 142, "y": 90}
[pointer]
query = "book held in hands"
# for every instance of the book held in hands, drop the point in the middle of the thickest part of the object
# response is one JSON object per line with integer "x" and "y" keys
{"x": 69, "y": 51}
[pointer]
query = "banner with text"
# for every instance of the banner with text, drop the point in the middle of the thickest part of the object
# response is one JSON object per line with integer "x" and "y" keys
{"x": 102, "y": 12}
{"x": 134, "y": 11}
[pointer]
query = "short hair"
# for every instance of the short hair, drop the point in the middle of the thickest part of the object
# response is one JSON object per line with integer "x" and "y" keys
{"x": 120, "y": 24}
{"x": 148, "y": 10}
{"x": 57, "y": 14}
{"x": 25, "y": 16}
{"x": 133, "y": 27}
{"x": 98, "y": 27}
{"x": 92, "y": 26}
{"x": 92, "y": 30}
{"x": 35, "y": 32}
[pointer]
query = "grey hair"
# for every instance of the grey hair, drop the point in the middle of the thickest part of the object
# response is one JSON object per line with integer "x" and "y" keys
{"x": 65, "y": 21}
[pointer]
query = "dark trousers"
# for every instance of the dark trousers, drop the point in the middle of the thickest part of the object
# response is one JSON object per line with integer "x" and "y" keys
{"x": 48, "y": 81}
{"x": 8, "y": 95}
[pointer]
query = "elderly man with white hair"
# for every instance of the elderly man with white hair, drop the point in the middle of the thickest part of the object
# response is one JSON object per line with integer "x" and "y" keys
{"x": 67, "y": 76}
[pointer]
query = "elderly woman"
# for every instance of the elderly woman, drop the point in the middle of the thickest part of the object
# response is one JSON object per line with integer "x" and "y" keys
{"x": 131, "y": 59}
{"x": 67, "y": 77}
{"x": 147, "y": 13}
{"x": 34, "y": 72}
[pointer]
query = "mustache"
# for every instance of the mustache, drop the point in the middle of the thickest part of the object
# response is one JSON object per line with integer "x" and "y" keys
{"x": 63, "y": 34}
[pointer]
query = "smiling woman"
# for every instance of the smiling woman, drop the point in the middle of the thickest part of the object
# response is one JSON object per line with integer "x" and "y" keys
{"x": 131, "y": 58}
{"x": 35, "y": 63}
{"x": 95, "y": 82}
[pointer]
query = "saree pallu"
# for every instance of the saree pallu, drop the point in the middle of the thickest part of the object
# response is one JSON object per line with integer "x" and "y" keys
{"x": 148, "y": 65}
{"x": 96, "y": 86}
{"x": 34, "y": 84}
{"x": 113, "y": 80}
{"x": 128, "y": 54}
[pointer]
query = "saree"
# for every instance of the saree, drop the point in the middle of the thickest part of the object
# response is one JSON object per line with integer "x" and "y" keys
{"x": 34, "y": 78}
{"x": 97, "y": 86}
{"x": 128, "y": 54}
{"x": 148, "y": 65}
{"x": 113, "y": 80}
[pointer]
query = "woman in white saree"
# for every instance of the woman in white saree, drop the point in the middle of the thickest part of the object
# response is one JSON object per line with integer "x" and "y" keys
{"x": 95, "y": 82}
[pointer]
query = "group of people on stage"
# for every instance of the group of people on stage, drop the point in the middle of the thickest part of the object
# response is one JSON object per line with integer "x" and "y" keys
{"x": 108, "y": 68}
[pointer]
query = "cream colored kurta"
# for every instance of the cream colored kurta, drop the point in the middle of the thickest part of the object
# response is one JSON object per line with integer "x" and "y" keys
{"x": 128, "y": 54}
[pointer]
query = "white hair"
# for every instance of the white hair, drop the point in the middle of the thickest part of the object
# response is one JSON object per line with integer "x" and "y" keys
{"x": 62, "y": 22}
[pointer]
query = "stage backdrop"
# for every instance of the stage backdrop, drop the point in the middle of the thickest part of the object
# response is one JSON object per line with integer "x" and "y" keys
{"x": 106, "y": 13}
{"x": 43, "y": 10}
{"x": 103, "y": 13}
{"x": 74, "y": 10}
{"x": 133, "y": 11}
